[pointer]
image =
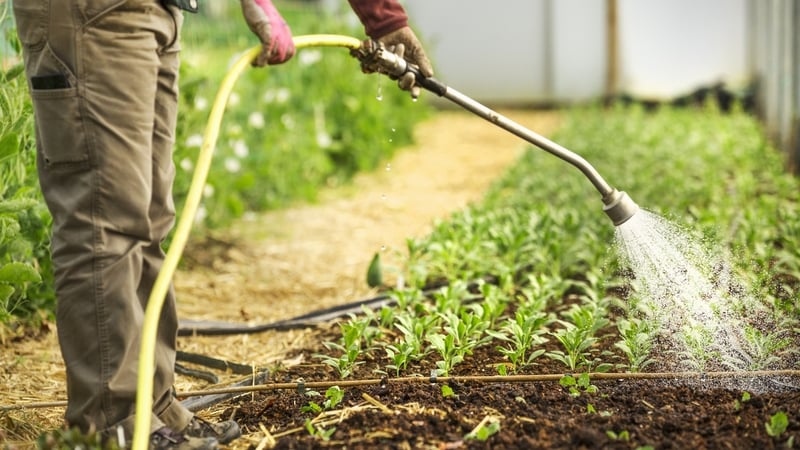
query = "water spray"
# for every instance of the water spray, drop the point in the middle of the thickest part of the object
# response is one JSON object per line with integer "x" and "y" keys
{"x": 617, "y": 205}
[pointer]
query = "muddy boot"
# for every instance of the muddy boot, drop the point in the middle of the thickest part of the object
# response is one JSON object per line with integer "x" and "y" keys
{"x": 167, "y": 439}
{"x": 223, "y": 432}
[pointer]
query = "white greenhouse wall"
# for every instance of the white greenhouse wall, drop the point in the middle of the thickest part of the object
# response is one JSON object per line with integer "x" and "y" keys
{"x": 529, "y": 51}
{"x": 670, "y": 47}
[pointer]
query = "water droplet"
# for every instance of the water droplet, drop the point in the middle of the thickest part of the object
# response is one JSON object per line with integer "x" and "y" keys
{"x": 383, "y": 197}
{"x": 414, "y": 99}
{"x": 388, "y": 167}
{"x": 380, "y": 93}
{"x": 383, "y": 248}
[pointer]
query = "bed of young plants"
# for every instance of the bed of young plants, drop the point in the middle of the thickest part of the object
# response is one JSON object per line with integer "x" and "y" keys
{"x": 529, "y": 283}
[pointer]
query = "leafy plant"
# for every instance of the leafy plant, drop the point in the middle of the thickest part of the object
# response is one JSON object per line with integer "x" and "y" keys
{"x": 319, "y": 431}
{"x": 777, "y": 424}
{"x": 579, "y": 385}
{"x": 636, "y": 342}
{"x": 349, "y": 347}
{"x": 487, "y": 428}
{"x": 522, "y": 334}
{"x": 737, "y": 404}
{"x": 333, "y": 396}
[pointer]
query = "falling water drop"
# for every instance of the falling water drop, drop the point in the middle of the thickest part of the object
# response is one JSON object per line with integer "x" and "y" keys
{"x": 383, "y": 248}
{"x": 380, "y": 93}
{"x": 388, "y": 167}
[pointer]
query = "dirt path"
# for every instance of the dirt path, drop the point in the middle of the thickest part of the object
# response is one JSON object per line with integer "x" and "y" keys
{"x": 289, "y": 262}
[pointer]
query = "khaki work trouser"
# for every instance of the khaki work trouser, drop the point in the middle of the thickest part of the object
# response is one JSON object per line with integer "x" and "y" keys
{"x": 104, "y": 79}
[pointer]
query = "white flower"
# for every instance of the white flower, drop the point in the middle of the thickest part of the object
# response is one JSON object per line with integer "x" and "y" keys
{"x": 287, "y": 121}
{"x": 200, "y": 103}
{"x": 232, "y": 165}
{"x": 208, "y": 190}
{"x": 309, "y": 57}
{"x": 324, "y": 139}
{"x": 194, "y": 140}
{"x": 200, "y": 215}
{"x": 234, "y": 99}
{"x": 256, "y": 120}
{"x": 240, "y": 148}
{"x": 187, "y": 164}
{"x": 282, "y": 96}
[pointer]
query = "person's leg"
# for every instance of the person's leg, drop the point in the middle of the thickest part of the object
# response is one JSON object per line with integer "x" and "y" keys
{"x": 162, "y": 218}
{"x": 94, "y": 150}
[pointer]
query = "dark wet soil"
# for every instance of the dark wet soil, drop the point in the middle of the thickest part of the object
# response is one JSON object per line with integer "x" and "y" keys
{"x": 621, "y": 414}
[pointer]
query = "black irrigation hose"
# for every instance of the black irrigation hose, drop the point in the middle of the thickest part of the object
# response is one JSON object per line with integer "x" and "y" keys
{"x": 312, "y": 319}
{"x": 249, "y": 386}
{"x": 217, "y": 328}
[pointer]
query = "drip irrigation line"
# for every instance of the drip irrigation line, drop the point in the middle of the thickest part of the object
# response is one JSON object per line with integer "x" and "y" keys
{"x": 302, "y": 386}
{"x": 305, "y": 385}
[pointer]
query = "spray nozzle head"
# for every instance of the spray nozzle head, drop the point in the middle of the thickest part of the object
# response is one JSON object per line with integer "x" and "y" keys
{"x": 619, "y": 207}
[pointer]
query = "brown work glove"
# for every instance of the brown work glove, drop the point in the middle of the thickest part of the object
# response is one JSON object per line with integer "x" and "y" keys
{"x": 268, "y": 24}
{"x": 405, "y": 44}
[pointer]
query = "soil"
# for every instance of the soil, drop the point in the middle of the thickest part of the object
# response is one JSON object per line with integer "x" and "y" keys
{"x": 287, "y": 263}
{"x": 621, "y": 414}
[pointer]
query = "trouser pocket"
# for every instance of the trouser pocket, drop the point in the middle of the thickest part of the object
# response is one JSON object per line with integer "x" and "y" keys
{"x": 60, "y": 135}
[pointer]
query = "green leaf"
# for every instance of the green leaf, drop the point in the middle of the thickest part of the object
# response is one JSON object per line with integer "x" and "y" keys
{"x": 9, "y": 146}
{"x": 374, "y": 272}
{"x": 777, "y": 424}
{"x": 5, "y": 293}
{"x": 447, "y": 391}
{"x": 16, "y": 272}
{"x": 16, "y": 205}
{"x": 567, "y": 380}
{"x": 14, "y": 72}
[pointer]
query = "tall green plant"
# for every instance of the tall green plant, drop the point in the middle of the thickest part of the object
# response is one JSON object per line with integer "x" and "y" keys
{"x": 25, "y": 268}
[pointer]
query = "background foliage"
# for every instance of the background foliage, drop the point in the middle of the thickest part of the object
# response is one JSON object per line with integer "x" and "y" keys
{"x": 288, "y": 131}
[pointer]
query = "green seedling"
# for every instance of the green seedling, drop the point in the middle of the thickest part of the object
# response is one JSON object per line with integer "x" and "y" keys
{"x": 449, "y": 351}
{"x": 447, "y": 391}
{"x": 621, "y": 436}
{"x": 487, "y": 428}
{"x": 698, "y": 341}
{"x": 737, "y": 404}
{"x": 777, "y": 424}
{"x": 576, "y": 343}
{"x": 636, "y": 343}
{"x": 579, "y": 385}
{"x": 521, "y": 334}
{"x": 319, "y": 432}
{"x": 763, "y": 349}
{"x": 333, "y": 396}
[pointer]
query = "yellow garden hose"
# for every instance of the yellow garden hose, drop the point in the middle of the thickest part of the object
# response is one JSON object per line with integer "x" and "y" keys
{"x": 144, "y": 386}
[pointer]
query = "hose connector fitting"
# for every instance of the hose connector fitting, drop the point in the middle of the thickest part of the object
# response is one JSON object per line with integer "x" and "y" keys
{"x": 619, "y": 207}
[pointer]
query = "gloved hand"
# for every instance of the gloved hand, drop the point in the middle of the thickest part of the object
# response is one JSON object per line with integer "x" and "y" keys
{"x": 404, "y": 43}
{"x": 266, "y": 22}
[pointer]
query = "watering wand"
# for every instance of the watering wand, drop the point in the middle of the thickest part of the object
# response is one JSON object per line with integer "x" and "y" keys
{"x": 376, "y": 58}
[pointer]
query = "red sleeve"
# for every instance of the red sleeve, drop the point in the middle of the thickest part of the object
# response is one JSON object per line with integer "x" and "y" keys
{"x": 380, "y": 17}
